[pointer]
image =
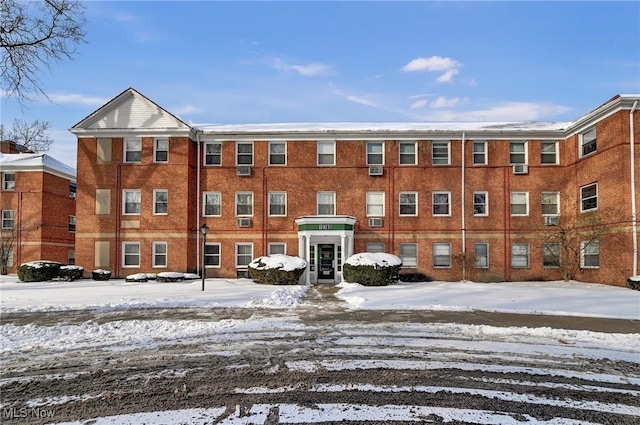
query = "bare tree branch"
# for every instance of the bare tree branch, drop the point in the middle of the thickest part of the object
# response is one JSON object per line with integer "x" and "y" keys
{"x": 32, "y": 135}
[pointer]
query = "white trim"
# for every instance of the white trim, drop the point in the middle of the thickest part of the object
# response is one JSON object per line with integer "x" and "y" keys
{"x": 377, "y": 142}
{"x": 253, "y": 154}
{"x": 277, "y": 142}
{"x": 325, "y": 142}
{"x": 519, "y": 192}
{"x": 124, "y": 254}
{"x": 237, "y": 204}
{"x": 433, "y": 204}
{"x": 155, "y": 201}
{"x": 154, "y": 253}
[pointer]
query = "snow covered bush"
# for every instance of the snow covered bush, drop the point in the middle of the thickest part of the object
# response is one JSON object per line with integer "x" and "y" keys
{"x": 170, "y": 277}
{"x": 372, "y": 269}
{"x": 38, "y": 271}
{"x": 71, "y": 273}
{"x": 634, "y": 282}
{"x": 277, "y": 269}
{"x": 101, "y": 274}
{"x": 138, "y": 277}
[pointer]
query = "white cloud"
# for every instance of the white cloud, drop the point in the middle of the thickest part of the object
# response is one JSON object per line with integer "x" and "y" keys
{"x": 361, "y": 100}
{"x": 443, "y": 102}
{"x": 434, "y": 64}
{"x": 185, "y": 110}
{"x": 447, "y": 76}
{"x": 308, "y": 70}
{"x": 504, "y": 111}
{"x": 80, "y": 99}
{"x": 419, "y": 104}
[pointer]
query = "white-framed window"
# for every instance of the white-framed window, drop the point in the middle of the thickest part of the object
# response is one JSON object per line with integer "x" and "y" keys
{"x": 481, "y": 254}
{"x": 481, "y": 204}
{"x": 375, "y": 204}
{"x": 244, "y": 153}
{"x": 480, "y": 152}
{"x": 8, "y": 181}
{"x": 326, "y": 153}
{"x": 441, "y": 255}
{"x": 8, "y": 219}
{"x": 520, "y": 255}
{"x": 550, "y": 255}
{"x": 160, "y": 201}
{"x": 375, "y": 247}
{"x": 375, "y": 153}
{"x": 213, "y": 153}
{"x": 244, "y": 204}
{"x": 590, "y": 254}
{"x": 277, "y": 153}
{"x": 441, "y": 202}
{"x": 549, "y": 153}
{"x": 72, "y": 223}
{"x": 408, "y": 203}
{"x": 212, "y": 254}
{"x": 277, "y": 204}
{"x": 517, "y": 153}
{"x": 71, "y": 257}
{"x": 550, "y": 203}
{"x": 161, "y": 150}
{"x": 133, "y": 149}
{"x": 277, "y": 248}
{"x": 131, "y": 201}
{"x": 409, "y": 254}
{"x": 589, "y": 197}
{"x": 244, "y": 254}
{"x": 131, "y": 254}
{"x": 212, "y": 204}
{"x": 519, "y": 203}
{"x": 440, "y": 153}
{"x": 326, "y": 202}
{"x": 73, "y": 189}
{"x": 408, "y": 153}
{"x": 159, "y": 254}
{"x": 588, "y": 142}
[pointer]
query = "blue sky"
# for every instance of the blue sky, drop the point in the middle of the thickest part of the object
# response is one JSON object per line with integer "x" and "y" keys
{"x": 255, "y": 62}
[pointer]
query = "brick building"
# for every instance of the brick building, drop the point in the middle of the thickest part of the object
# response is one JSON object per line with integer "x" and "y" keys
{"x": 37, "y": 203}
{"x": 512, "y": 198}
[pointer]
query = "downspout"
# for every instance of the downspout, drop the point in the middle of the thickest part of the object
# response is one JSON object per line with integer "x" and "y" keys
{"x": 634, "y": 220}
{"x": 463, "y": 210}
{"x": 198, "y": 193}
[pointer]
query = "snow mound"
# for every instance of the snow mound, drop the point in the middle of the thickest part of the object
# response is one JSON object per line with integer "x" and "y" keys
{"x": 278, "y": 261}
{"x": 376, "y": 259}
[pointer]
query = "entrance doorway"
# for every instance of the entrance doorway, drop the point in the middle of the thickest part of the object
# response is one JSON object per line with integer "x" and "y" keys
{"x": 326, "y": 263}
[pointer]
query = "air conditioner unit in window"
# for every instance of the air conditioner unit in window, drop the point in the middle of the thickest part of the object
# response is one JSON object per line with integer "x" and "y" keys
{"x": 244, "y": 222}
{"x": 243, "y": 170}
{"x": 242, "y": 274}
{"x": 520, "y": 169}
{"x": 376, "y": 170}
{"x": 551, "y": 220}
{"x": 375, "y": 222}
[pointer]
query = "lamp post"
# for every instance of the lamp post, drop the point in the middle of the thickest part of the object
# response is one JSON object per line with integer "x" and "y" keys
{"x": 204, "y": 230}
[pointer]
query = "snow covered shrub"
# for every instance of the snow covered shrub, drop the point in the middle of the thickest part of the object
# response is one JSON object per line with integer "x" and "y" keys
{"x": 372, "y": 269}
{"x": 138, "y": 277}
{"x": 634, "y": 282}
{"x": 170, "y": 277}
{"x": 414, "y": 277}
{"x": 71, "y": 273}
{"x": 277, "y": 269}
{"x": 101, "y": 274}
{"x": 38, "y": 271}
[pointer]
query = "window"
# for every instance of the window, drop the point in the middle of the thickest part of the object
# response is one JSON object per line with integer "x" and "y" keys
{"x": 131, "y": 254}
{"x": 244, "y": 153}
{"x": 519, "y": 203}
{"x": 132, "y": 201}
{"x": 212, "y": 204}
{"x": 277, "y": 248}
{"x": 440, "y": 153}
{"x": 375, "y": 204}
{"x": 441, "y": 203}
{"x": 441, "y": 255}
{"x": 339, "y": 257}
{"x": 244, "y": 254}
{"x": 312, "y": 258}
{"x": 326, "y": 203}
{"x": 277, "y": 153}
{"x": 160, "y": 201}
{"x": 159, "y": 254}
{"x": 326, "y": 153}
{"x": 375, "y": 153}
{"x": 72, "y": 223}
{"x": 213, "y": 153}
{"x": 588, "y": 142}
{"x": 408, "y": 203}
{"x": 161, "y": 150}
{"x": 480, "y": 204}
{"x": 132, "y": 150}
{"x": 408, "y": 153}
{"x": 101, "y": 254}
{"x": 71, "y": 257}
{"x": 212, "y": 254}
{"x": 589, "y": 197}
{"x": 520, "y": 255}
{"x": 244, "y": 204}
{"x": 278, "y": 204}
{"x": 481, "y": 254}
{"x": 8, "y": 181}
{"x": 73, "y": 189}
{"x": 480, "y": 153}
{"x": 103, "y": 201}
{"x": 103, "y": 151}
{"x": 409, "y": 254}
{"x": 8, "y": 219}
{"x": 550, "y": 255}
{"x": 549, "y": 153}
{"x": 550, "y": 203}
{"x": 590, "y": 254}
{"x": 517, "y": 153}
{"x": 375, "y": 247}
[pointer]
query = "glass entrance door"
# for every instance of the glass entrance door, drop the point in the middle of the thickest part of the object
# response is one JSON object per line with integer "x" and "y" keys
{"x": 326, "y": 263}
